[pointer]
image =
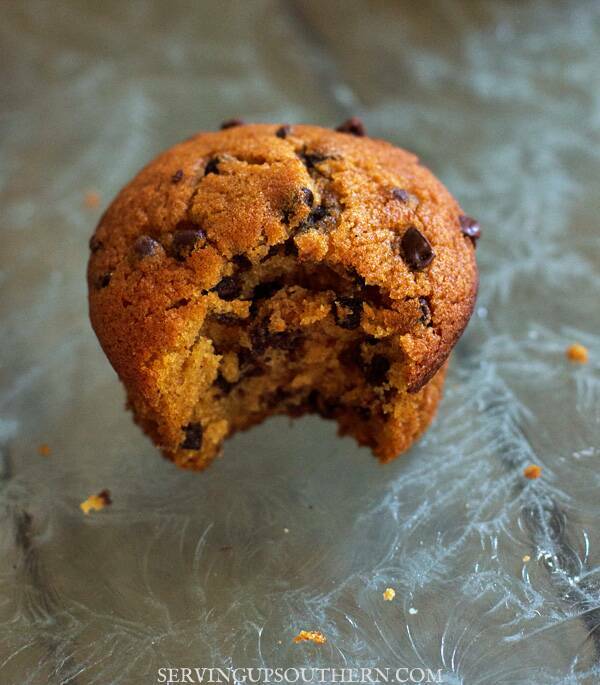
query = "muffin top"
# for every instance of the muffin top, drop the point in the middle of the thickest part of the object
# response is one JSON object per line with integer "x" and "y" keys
{"x": 174, "y": 244}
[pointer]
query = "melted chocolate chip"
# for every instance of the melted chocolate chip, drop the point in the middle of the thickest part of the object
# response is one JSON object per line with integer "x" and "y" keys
{"x": 307, "y": 196}
{"x": 259, "y": 336}
{"x": 400, "y": 194}
{"x": 353, "y": 125}
{"x": 228, "y": 288}
{"x": 287, "y": 340}
{"x": 145, "y": 246}
{"x": 262, "y": 339}
{"x": 242, "y": 262}
{"x": 377, "y": 369}
{"x": 95, "y": 244}
{"x": 227, "y": 319}
{"x": 177, "y": 176}
{"x": 212, "y": 166}
{"x": 223, "y": 384}
{"x": 266, "y": 289}
{"x": 316, "y": 215}
{"x": 425, "y": 311}
{"x": 263, "y": 291}
{"x": 311, "y": 159}
{"x": 103, "y": 281}
{"x": 283, "y": 131}
{"x": 231, "y": 123}
{"x": 286, "y": 214}
{"x": 187, "y": 235}
{"x": 363, "y": 413}
{"x": 290, "y": 248}
{"x": 318, "y": 404}
{"x": 193, "y": 436}
{"x": 352, "y": 356}
{"x": 470, "y": 227}
{"x": 246, "y": 358}
{"x": 347, "y": 319}
{"x": 416, "y": 249}
{"x": 178, "y": 304}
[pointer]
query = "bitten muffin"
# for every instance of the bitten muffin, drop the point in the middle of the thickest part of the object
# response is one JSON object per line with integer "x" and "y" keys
{"x": 268, "y": 269}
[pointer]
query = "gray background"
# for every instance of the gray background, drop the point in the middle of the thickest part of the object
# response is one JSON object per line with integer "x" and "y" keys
{"x": 502, "y": 101}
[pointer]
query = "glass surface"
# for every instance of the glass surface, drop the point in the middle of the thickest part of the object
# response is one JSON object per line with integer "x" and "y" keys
{"x": 295, "y": 528}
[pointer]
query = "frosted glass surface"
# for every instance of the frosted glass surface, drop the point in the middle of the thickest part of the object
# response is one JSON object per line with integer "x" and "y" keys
{"x": 295, "y": 528}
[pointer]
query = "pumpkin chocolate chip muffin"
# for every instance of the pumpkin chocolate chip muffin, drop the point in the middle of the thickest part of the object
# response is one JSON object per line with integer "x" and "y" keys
{"x": 268, "y": 269}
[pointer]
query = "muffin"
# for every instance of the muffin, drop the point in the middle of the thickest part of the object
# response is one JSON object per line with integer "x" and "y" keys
{"x": 266, "y": 269}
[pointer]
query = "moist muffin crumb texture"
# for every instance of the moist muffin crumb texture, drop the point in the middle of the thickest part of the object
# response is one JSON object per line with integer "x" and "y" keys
{"x": 265, "y": 270}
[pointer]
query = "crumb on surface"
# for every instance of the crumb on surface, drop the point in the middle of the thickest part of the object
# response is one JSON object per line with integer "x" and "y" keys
{"x": 526, "y": 558}
{"x": 96, "y": 502}
{"x": 577, "y": 353}
{"x": 91, "y": 199}
{"x": 44, "y": 450}
{"x": 389, "y": 594}
{"x": 310, "y": 636}
{"x": 412, "y": 611}
{"x": 532, "y": 471}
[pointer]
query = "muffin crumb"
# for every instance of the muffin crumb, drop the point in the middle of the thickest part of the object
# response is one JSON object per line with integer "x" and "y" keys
{"x": 310, "y": 636}
{"x": 577, "y": 353}
{"x": 532, "y": 471}
{"x": 389, "y": 594}
{"x": 44, "y": 450}
{"x": 91, "y": 199}
{"x": 96, "y": 502}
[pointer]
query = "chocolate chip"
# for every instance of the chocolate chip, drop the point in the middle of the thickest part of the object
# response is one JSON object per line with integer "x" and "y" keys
{"x": 178, "y": 304}
{"x": 274, "y": 399}
{"x": 177, "y": 176}
{"x": 347, "y": 319}
{"x": 363, "y": 412}
{"x": 400, "y": 194}
{"x": 311, "y": 159}
{"x": 187, "y": 235}
{"x": 286, "y": 340}
{"x": 259, "y": 336}
{"x": 242, "y": 262}
{"x": 352, "y": 356}
{"x": 377, "y": 369}
{"x": 353, "y": 125}
{"x": 318, "y": 404}
{"x": 104, "y": 495}
{"x": 193, "y": 436}
{"x": 246, "y": 358}
{"x": 95, "y": 244}
{"x": 231, "y": 123}
{"x": 223, "y": 384}
{"x": 425, "y": 311}
{"x": 290, "y": 248}
{"x": 228, "y": 288}
{"x": 470, "y": 228}
{"x": 286, "y": 214}
{"x": 262, "y": 339}
{"x": 283, "y": 131}
{"x": 316, "y": 215}
{"x": 103, "y": 281}
{"x": 212, "y": 166}
{"x": 227, "y": 319}
{"x": 416, "y": 249}
{"x": 266, "y": 289}
{"x": 145, "y": 246}
{"x": 307, "y": 196}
